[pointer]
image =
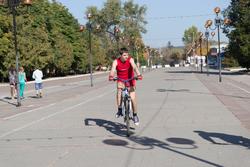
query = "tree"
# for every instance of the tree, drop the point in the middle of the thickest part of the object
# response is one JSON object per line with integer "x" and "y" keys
{"x": 133, "y": 23}
{"x": 5, "y": 45}
{"x": 239, "y": 36}
{"x": 48, "y": 38}
{"x": 105, "y": 19}
{"x": 190, "y": 38}
{"x": 176, "y": 57}
{"x": 128, "y": 17}
{"x": 169, "y": 46}
{"x": 35, "y": 49}
{"x": 190, "y": 35}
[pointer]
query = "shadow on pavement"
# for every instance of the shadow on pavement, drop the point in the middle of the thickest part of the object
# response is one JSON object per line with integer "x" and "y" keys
{"x": 151, "y": 143}
{"x": 226, "y": 139}
{"x": 172, "y": 90}
{"x": 175, "y": 79}
{"x": 34, "y": 97}
{"x": 146, "y": 142}
{"x": 182, "y": 142}
{"x": 44, "y": 138}
{"x": 113, "y": 127}
{"x": 8, "y": 100}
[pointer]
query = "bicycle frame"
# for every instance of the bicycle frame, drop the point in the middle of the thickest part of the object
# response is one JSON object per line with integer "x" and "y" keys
{"x": 126, "y": 103}
{"x": 126, "y": 107}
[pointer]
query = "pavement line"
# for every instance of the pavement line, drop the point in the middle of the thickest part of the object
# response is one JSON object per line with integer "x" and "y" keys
{"x": 29, "y": 111}
{"x": 238, "y": 87}
{"x": 61, "y": 156}
{"x": 60, "y": 78}
{"x": 28, "y": 92}
{"x": 52, "y": 115}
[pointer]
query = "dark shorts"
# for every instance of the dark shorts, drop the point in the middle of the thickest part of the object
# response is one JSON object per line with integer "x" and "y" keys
{"x": 38, "y": 86}
{"x": 12, "y": 83}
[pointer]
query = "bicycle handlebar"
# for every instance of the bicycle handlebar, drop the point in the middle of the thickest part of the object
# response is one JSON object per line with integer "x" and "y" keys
{"x": 125, "y": 80}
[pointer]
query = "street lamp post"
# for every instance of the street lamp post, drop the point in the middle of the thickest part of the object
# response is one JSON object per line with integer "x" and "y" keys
{"x": 200, "y": 41}
{"x": 207, "y": 36}
{"x": 89, "y": 27}
{"x": 135, "y": 49}
{"x": 137, "y": 56}
{"x": 94, "y": 25}
{"x": 12, "y": 4}
{"x": 134, "y": 52}
{"x": 116, "y": 36}
{"x": 219, "y": 24}
{"x": 207, "y": 39}
{"x": 148, "y": 55}
{"x": 196, "y": 56}
{"x": 133, "y": 45}
{"x": 151, "y": 57}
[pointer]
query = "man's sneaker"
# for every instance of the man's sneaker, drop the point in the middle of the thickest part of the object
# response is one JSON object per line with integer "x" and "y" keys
{"x": 119, "y": 113}
{"x": 136, "y": 120}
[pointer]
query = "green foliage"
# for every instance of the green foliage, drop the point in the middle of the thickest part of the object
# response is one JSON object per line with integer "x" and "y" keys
{"x": 172, "y": 54}
{"x": 191, "y": 41}
{"x": 176, "y": 56}
{"x": 128, "y": 17}
{"x": 190, "y": 35}
{"x": 239, "y": 45}
{"x": 230, "y": 61}
{"x": 48, "y": 36}
{"x": 5, "y": 42}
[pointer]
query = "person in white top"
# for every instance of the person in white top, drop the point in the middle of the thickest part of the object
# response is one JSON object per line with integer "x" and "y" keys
{"x": 38, "y": 75}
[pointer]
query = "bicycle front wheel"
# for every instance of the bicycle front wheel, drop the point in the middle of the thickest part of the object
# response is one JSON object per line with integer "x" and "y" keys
{"x": 127, "y": 119}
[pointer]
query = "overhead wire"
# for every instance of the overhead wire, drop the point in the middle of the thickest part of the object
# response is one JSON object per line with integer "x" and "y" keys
{"x": 178, "y": 17}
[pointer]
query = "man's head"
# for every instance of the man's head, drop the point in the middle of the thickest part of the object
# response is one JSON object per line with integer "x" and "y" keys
{"x": 124, "y": 54}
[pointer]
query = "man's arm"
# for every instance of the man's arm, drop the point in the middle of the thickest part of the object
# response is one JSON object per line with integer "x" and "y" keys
{"x": 33, "y": 75}
{"x": 25, "y": 77}
{"x": 132, "y": 62}
{"x": 113, "y": 68}
{"x": 41, "y": 74}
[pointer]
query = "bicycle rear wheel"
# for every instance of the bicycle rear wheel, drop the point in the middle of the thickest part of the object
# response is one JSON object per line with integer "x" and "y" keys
{"x": 127, "y": 118}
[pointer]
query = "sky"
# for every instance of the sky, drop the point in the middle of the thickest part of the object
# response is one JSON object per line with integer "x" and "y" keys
{"x": 167, "y": 19}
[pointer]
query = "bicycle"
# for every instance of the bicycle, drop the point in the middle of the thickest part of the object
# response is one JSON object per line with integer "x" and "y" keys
{"x": 126, "y": 103}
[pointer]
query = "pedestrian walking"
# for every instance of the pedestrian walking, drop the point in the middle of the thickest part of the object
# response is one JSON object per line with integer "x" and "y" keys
{"x": 12, "y": 81}
{"x": 22, "y": 81}
{"x": 38, "y": 75}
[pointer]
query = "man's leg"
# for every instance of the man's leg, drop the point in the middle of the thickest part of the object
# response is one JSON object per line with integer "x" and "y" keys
{"x": 133, "y": 99}
{"x": 12, "y": 88}
{"x": 40, "y": 89}
{"x": 37, "y": 89}
{"x": 118, "y": 99}
{"x": 22, "y": 85}
{"x": 134, "y": 105}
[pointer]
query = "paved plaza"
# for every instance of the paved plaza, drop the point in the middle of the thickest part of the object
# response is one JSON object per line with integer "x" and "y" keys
{"x": 187, "y": 119}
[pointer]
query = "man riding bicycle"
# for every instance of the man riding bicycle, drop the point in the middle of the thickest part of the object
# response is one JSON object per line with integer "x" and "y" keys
{"x": 125, "y": 67}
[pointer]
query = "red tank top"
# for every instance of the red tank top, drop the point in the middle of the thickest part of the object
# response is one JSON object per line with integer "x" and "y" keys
{"x": 125, "y": 70}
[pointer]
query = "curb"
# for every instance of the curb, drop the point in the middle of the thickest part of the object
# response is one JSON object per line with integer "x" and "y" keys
{"x": 59, "y": 78}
